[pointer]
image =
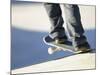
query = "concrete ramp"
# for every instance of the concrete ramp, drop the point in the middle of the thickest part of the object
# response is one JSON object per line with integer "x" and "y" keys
{"x": 74, "y": 62}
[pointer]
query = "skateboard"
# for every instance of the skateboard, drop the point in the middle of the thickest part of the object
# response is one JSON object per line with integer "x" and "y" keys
{"x": 67, "y": 46}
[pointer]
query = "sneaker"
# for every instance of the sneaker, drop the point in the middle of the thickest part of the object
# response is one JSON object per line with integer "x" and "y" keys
{"x": 80, "y": 44}
{"x": 82, "y": 48}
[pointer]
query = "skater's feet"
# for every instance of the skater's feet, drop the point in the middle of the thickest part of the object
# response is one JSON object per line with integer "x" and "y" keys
{"x": 81, "y": 45}
{"x": 82, "y": 48}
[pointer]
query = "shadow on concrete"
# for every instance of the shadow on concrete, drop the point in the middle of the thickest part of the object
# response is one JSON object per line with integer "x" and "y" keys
{"x": 28, "y": 48}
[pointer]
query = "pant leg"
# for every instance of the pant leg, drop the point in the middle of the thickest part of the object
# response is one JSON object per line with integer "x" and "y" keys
{"x": 73, "y": 20}
{"x": 74, "y": 24}
{"x": 55, "y": 16}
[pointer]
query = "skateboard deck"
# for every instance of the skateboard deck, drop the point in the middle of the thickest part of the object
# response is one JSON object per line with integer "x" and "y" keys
{"x": 67, "y": 46}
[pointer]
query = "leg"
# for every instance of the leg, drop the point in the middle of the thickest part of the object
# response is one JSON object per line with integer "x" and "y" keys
{"x": 74, "y": 26}
{"x": 55, "y": 16}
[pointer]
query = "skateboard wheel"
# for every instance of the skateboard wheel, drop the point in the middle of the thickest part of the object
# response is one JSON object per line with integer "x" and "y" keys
{"x": 51, "y": 50}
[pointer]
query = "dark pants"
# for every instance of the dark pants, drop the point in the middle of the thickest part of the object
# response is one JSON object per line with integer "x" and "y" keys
{"x": 73, "y": 20}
